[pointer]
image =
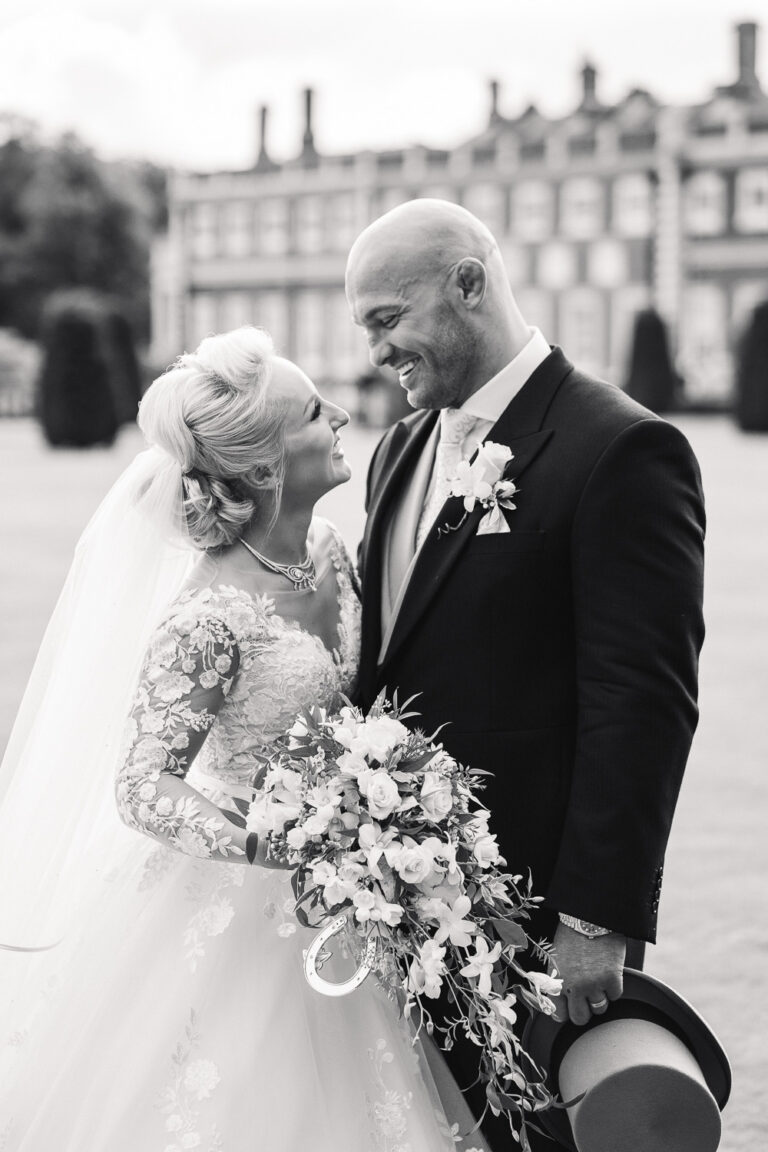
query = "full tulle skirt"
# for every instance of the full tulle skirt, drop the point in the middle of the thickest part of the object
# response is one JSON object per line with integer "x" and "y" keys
{"x": 177, "y": 1016}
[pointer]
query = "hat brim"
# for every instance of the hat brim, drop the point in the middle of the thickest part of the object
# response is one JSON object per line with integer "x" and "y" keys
{"x": 546, "y": 1040}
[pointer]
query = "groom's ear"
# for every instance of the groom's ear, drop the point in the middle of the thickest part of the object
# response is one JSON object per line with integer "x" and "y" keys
{"x": 472, "y": 281}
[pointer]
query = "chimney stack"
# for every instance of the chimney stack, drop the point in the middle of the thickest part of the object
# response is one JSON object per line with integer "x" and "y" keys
{"x": 589, "y": 99}
{"x": 308, "y": 151}
{"x": 263, "y": 160}
{"x": 494, "y": 116}
{"x": 747, "y": 36}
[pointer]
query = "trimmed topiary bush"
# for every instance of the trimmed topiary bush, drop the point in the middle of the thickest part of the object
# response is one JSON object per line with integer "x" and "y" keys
{"x": 652, "y": 379}
{"x": 751, "y": 408}
{"x": 76, "y": 404}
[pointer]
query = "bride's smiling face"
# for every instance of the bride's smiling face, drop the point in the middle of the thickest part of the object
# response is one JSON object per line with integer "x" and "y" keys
{"x": 314, "y": 458}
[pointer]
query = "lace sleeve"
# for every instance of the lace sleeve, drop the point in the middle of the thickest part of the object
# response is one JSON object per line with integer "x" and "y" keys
{"x": 187, "y": 673}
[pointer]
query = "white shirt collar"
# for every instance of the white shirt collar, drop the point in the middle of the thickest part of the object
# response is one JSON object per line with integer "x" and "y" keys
{"x": 489, "y": 402}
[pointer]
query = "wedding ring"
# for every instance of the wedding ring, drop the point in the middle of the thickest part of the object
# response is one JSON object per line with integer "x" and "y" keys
{"x": 597, "y": 1004}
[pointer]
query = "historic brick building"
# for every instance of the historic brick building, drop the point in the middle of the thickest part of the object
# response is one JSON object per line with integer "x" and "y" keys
{"x": 602, "y": 212}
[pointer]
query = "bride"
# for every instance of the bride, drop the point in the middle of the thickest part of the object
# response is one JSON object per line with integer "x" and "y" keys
{"x": 151, "y": 986}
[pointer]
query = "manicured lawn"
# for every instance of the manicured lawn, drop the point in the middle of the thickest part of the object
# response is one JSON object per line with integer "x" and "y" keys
{"x": 714, "y": 930}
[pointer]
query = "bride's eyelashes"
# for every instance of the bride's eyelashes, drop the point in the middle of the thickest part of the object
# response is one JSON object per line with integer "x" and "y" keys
{"x": 316, "y": 410}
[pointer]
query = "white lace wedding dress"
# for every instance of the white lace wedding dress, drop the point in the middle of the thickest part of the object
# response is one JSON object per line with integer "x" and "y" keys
{"x": 179, "y": 1018}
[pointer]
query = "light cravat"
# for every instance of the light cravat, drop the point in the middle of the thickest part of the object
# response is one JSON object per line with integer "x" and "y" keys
{"x": 455, "y": 426}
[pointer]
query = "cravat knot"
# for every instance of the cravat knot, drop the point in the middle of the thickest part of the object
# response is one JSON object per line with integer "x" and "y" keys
{"x": 455, "y": 423}
{"x": 455, "y": 426}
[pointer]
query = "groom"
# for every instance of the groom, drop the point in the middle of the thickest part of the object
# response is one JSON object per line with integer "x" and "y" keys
{"x": 561, "y": 646}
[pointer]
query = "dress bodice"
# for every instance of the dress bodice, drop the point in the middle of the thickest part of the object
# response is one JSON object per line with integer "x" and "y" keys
{"x": 283, "y": 668}
{"x": 225, "y": 675}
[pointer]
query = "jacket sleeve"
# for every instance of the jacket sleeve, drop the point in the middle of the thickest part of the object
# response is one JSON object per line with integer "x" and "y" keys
{"x": 637, "y": 577}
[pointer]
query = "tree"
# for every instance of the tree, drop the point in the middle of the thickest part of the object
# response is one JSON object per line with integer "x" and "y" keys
{"x": 752, "y": 374}
{"x": 652, "y": 379}
{"x": 76, "y": 402}
{"x": 69, "y": 220}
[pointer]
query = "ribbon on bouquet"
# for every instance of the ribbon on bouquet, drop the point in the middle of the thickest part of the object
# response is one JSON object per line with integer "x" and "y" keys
{"x": 316, "y": 955}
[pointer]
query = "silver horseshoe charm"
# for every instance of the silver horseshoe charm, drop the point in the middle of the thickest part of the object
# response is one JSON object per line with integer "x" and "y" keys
{"x": 316, "y": 955}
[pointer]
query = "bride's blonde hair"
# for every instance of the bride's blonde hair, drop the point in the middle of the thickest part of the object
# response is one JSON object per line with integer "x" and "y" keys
{"x": 212, "y": 413}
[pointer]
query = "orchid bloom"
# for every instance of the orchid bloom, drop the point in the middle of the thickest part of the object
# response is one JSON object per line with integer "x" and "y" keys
{"x": 453, "y": 926}
{"x": 481, "y": 964}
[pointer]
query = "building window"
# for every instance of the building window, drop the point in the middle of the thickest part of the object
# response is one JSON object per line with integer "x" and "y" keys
{"x": 751, "y": 207}
{"x": 582, "y": 328}
{"x": 347, "y": 349}
{"x": 387, "y": 198}
{"x": 582, "y": 208}
{"x": 270, "y": 312}
{"x": 203, "y": 317}
{"x": 488, "y": 202}
{"x": 341, "y": 221}
{"x": 532, "y": 151}
{"x": 556, "y": 265}
{"x": 607, "y": 263}
{"x": 309, "y": 224}
{"x": 704, "y": 210}
{"x": 533, "y": 205}
{"x": 204, "y": 222}
{"x": 273, "y": 226}
{"x": 236, "y": 228}
{"x": 236, "y": 310}
{"x": 704, "y": 359}
{"x": 538, "y": 309}
{"x": 633, "y": 205}
{"x": 309, "y": 329}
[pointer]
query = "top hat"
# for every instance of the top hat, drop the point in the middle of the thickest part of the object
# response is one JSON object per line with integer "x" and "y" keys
{"x": 648, "y": 1075}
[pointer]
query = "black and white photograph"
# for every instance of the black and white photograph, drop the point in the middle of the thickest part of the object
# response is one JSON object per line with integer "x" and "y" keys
{"x": 384, "y": 577}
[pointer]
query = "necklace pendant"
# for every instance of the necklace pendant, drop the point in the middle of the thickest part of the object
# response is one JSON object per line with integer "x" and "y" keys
{"x": 303, "y": 580}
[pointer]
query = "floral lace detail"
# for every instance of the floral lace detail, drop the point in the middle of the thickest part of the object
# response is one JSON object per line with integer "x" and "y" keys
{"x": 192, "y": 1081}
{"x": 216, "y": 912}
{"x": 389, "y": 1113}
{"x": 188, "y": 670}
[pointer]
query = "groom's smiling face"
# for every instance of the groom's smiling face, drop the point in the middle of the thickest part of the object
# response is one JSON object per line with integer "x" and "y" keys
{"x": 414, "y": 326}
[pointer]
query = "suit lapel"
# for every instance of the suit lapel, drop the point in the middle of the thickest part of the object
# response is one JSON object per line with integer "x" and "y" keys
{"x": 519, "y": 427}
{"x": 408, "y": 441}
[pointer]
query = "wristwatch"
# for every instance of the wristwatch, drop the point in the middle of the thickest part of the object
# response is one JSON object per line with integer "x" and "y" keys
{"x": 591, "y": 931}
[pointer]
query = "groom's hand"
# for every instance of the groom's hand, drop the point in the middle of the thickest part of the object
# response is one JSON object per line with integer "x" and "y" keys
{"x": 591, "y": 970}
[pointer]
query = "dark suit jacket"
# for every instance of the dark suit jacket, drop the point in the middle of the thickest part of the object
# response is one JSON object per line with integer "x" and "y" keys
{"x": 562, "y": 655}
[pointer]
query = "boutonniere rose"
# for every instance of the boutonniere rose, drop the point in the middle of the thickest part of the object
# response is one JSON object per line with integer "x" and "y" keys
{"x": 481, "y": 483}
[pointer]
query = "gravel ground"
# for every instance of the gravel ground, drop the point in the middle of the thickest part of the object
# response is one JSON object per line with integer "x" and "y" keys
{"x": 714, "y": 931}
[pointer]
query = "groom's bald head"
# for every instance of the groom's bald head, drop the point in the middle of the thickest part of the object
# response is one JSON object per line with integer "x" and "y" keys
{"x": 428, "y": 284}
{"x": 424, "y": 238}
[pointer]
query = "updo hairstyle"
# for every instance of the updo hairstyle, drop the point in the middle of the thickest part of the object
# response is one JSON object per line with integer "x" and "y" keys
{"x": 211, "y": 412}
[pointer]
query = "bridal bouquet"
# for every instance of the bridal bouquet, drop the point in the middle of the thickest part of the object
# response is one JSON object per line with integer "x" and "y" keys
{"x": 388, "y": 836}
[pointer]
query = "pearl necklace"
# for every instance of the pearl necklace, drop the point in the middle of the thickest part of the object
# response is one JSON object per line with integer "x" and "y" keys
{"x": 303, "y": 576}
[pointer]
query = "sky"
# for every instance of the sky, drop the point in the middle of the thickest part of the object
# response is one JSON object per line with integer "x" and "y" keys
{"x": 180, "y": 81}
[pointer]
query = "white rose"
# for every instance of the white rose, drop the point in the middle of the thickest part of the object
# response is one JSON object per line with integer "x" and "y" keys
{"x": 436, "y": 796}
{"x": 485, "y": 850}
{"x": 296, "y": 838}
{"x": 377, "y": 737}
{"x": 491, "y": 460}
{"x": 147, "y": 792}
{"x": 382, "y": 795}
{"x": 413, "y": 864}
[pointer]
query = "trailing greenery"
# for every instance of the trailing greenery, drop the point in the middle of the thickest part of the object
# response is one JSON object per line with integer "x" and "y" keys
{"x": 751, "y": 407}
{"x": 652, "y": 379}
